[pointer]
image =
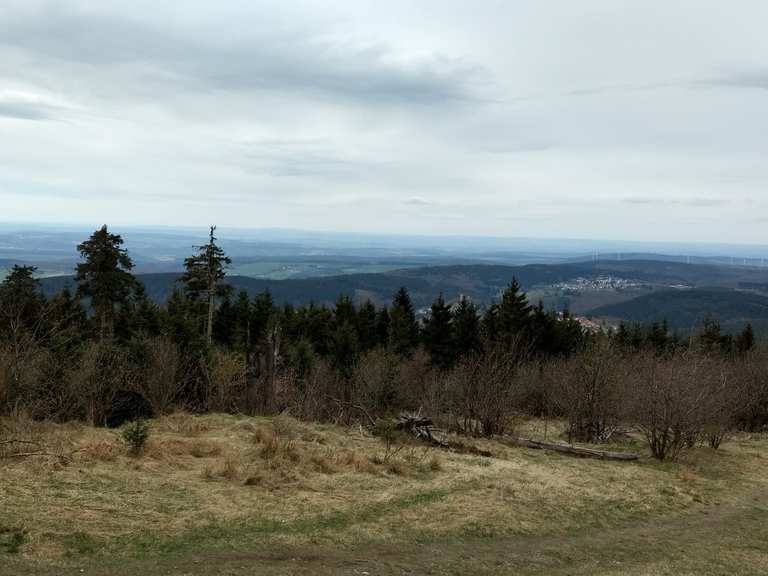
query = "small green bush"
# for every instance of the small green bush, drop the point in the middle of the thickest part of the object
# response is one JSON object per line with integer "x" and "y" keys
{"x": 136, "y": 434}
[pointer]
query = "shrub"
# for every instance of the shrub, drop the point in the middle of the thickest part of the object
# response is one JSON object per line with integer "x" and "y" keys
{"x": 160, "y": 381}
{"x": 588, "y": 390}
{"x": 136, "y": 435}
{"x": 669, "y": 402}
{"x": 483, "y": 391}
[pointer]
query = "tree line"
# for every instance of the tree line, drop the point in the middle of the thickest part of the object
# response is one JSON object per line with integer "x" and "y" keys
{"x": 106, "y": 353}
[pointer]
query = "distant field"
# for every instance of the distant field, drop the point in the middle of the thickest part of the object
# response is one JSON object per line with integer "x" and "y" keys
{"x": 237, "y": 495}
{"x": 283, "y": 270}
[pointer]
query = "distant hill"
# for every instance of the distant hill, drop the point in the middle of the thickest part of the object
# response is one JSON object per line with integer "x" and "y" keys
{"x": 687, "y": 309}
{"x": 482, "y": 283}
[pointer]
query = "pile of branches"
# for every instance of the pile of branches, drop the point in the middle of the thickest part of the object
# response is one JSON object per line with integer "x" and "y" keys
{"x": 419, "y": 427}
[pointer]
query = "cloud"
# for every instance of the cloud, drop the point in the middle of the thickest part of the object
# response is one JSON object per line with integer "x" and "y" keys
{"x": 22, "y": 106}
{"x": 693, "y": 201}
{"x": 298, "y": 61}
{"x": 417, "y": 201}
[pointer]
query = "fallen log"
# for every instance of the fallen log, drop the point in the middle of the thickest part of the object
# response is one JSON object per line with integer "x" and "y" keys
{"x": 572, "y": 450}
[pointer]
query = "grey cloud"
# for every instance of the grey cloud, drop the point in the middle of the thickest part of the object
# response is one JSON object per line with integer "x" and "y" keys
{"x": 417, "y": 201}
{"x": 693, "y": 201}
{"x": 744, "y": 79}
{"x": 24, "y": 111}
{"x": 302, "y": 158}
{"x": 302, "y": 63}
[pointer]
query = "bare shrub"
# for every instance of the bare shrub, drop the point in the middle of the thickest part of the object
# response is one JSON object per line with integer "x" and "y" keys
{"x": 724, "y": 400}
{"x": 100, "y": 373}
{"x": 226, "y": 381}
{"x": 751, "y": 372}
{"x": 483, "y": 391}
{"x": 588, "y": 390}
{"x": 286, "y": 426}
{"x": 668, "y": 401}
{"x": 376, "y": 383}
{"x": 160, "y": 382}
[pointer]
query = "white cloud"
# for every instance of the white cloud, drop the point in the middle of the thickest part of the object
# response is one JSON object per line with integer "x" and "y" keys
{"x": 552, "y": 118}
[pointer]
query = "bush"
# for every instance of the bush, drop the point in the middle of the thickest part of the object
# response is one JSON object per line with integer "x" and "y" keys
{"x": 669, "y": 402}
{"x": 588, "y": 390}
{"x": 136, "y": 435}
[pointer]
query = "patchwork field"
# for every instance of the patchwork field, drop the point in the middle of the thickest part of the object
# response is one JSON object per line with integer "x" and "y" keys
{"x": 238, "y": 495}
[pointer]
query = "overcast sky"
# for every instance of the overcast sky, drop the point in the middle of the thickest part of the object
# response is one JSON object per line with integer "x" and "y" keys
{"x": 593, "y": 119}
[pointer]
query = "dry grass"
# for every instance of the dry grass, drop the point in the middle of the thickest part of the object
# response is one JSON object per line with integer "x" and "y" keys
{"x": 205, "y": 479}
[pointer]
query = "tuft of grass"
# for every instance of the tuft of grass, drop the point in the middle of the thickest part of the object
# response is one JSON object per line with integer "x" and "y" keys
{"x": 12, "y": 539}
{"x": 286, "y": 426}
{"x": 81, "y": 543}
{"x": 435, "y": 464}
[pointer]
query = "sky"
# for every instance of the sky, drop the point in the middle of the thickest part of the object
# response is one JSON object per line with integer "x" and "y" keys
{"x": 606, "y": 119}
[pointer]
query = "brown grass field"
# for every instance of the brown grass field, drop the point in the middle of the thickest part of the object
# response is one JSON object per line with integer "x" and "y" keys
{"x": 238, "y": 495}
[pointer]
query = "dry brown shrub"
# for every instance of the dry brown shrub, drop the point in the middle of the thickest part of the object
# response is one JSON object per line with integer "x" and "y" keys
{"x": 286, "y": 427}
{"x": 669, "y": 400}
{"x": 204, "y": 449}
{"x": 99, "y": 450}
{"x": 435, "y": 464}
{"x": 323, "y": 463}
{"x": 228, "y": 469}
{"x": 227, "y": 383}
{"x": 397, "y": 468}
{"x": 263, "y": 434}
{"x": 589, "y": 390}
{"x": 482, "y": 393}
{"x": 160, "y": 382}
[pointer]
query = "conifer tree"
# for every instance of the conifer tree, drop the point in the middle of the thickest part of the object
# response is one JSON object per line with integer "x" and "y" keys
{"x": 514, "y": 313}
{"x": 746, "y": 340}
{"x": 203, "y": 278}
{"x": 437, "y": 334}
{"x": 403, "y": 328}
{"x": 382, "y": 327}
{"x": 21, "y": 301}
{"x": 466, "y": 329}
{"x": 104, "y": 276}
{"x": 366, "y": 326}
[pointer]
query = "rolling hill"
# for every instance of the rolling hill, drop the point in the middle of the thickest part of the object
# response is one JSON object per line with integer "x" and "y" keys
{"x": 483, "y": 283}
{"x": 686, "y": 309}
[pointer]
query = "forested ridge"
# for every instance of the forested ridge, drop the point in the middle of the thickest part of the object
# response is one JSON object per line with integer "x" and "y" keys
{"x": 105, "y": 352}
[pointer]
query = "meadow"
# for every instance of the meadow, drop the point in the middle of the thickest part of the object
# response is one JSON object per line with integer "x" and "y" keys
{"x": 224, "y": 494}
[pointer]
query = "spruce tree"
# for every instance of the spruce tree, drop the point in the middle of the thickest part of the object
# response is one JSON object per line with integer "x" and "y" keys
{"x": 513, "y": 318}
{"x": 203, "y": 278}
{"x": 104, "y": 277}
{"x": 366, "y": 326}
{"x": 21, "y": 301}
{"x": 746, "y": 340}
{"x": 382, "y": 327}
{"x": 466, "y": 329}
{"x": 403, "y": 328}
{"x": 437, "y": 334}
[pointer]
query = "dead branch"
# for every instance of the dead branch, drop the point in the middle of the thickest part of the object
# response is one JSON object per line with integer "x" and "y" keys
{"x": 571, "y": 450}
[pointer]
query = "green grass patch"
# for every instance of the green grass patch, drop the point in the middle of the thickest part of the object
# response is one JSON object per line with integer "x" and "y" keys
{"x": 12, "y": 539}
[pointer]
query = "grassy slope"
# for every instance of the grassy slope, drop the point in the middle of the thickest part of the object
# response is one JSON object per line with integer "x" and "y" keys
{"x": 221, "y": 495}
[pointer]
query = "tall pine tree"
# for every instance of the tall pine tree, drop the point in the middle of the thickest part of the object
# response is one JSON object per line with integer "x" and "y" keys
{"x": 203, "y": 279}
{"x": 403, "y": 328}
{"x": 104, "y": 276}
